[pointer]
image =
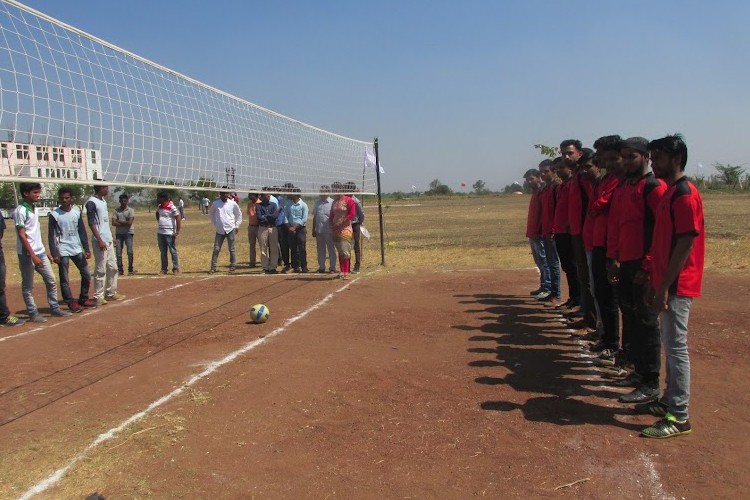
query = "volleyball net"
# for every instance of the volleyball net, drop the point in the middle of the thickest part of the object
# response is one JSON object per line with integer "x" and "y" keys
{"x": 76, "y": 109}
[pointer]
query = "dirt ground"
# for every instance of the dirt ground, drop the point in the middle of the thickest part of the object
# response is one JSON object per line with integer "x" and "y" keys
{"x": 440, "y": 385}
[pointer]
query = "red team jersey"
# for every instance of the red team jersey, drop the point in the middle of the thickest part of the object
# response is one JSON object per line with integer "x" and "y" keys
{"x": 549, "y": 200}
{"x": 680, "y": 212}
{"x": 579, "y": 192}
{"x": 561, "y": 209}
{"x": 599, "y": 206}
{"x": 534, "y": 219}
{"x": 632, "y": 217}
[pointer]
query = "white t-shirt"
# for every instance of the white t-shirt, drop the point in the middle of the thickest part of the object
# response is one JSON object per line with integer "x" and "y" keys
{"x": 25, "y": 217}
{"x": 166, "y": 223}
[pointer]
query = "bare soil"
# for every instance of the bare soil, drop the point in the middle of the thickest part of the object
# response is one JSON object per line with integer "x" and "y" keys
{"x": 434, "y": 385}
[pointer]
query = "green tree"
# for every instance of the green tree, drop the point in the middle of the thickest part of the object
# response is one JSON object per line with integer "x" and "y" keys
{"x": 8, "y": 193}
{"x": 731, "y": 175}
{"x": 549, "y": 151}
{"x": 480, "y": 187}
{"x": 198, "y": 194}
{"x": 438, "y": 188}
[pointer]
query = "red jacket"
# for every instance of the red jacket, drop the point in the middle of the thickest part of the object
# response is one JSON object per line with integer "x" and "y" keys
{"x": 549, "y": 201}
{"x": 560, "y": 225}
{"x": 534, "y": 219}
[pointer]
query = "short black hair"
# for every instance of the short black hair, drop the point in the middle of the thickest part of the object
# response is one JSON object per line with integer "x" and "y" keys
{"x": 608, "y": 143}
{"x": 586, "y": 155}
{"x": 557, "y": 160}
{"x": 545, "y": 163}
{"x": 27, "y": 187}
{"x": 124, "y": 196}
{"x": 532, "y": 172}
{"x": 64, "y": 190}
{"x": 673, "y": 145}
{"x": 163, "y": 195}
{"x": 571, "y": 142}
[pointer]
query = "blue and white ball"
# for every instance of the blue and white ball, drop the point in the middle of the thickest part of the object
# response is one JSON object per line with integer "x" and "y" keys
{"x": 259, "y": 313}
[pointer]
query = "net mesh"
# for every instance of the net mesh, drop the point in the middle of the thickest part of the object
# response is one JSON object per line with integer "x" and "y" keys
{"x": 77, "y": 108}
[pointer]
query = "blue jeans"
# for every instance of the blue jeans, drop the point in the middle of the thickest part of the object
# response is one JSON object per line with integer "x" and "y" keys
{"x": 674, "y": 331}
{"x": 125, "y": 240}
{"x": 218, "y": 242}
{"x": 83, "y": 267}
{"x": 540, "y": 259}
{"x": 167, "y": 241}
{"x": 553, "y": 264}
{"x": 27, "y": 268}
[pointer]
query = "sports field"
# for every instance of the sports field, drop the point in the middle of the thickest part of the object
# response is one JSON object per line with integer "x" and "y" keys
{"x": 435, "y": 376}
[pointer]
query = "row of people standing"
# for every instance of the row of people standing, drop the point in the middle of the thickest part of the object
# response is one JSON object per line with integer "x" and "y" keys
{"x": 626, "y": 226}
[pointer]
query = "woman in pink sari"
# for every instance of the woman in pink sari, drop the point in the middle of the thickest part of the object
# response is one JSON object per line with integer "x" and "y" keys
{"x": 343, "y": 210}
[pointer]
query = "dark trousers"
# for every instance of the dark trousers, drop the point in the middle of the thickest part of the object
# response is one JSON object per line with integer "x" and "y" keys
{"x": 298, "y": 245}
{"x": 640, "y": 324}
{"x": 124, "y": 240}
{"x": 606, "y": 297}
{"x": 567, "y": 262}
{"x": 588, "y": 308}
{"x": 284, "y": 256}
{"x": 83, "y": 267}
{"x": 4, "y": 311}
{"x": 357, "y": 232}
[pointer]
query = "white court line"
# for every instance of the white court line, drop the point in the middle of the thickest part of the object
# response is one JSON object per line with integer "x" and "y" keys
{"x": 53, "y": 478}
{"x": 94, "y": 311}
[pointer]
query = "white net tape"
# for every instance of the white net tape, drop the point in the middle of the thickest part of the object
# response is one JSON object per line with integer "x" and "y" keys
{"x": 76, "y": 109}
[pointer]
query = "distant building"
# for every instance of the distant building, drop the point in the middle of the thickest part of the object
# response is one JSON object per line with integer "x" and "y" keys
{"x": 49, "y": 163}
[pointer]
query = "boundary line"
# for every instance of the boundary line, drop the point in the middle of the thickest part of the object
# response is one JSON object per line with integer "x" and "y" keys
{"x": 55, "y": 477}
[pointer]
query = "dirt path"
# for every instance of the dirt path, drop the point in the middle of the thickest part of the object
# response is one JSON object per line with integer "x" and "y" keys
{"x": 445, "y": 385}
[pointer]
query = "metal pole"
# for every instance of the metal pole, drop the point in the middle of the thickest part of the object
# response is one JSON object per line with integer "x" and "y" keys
{"x": 380, "y": 204}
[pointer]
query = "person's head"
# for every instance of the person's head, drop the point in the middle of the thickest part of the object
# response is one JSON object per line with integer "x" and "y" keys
{"x": 253, "y": 197}
{"x": 65, "y": 198}
{"x": 325, "y": 190}
{"x": 224, "y": 195}
{"x": 634, "y": 151}
{"x": 101, "y": 191}
{"x": 124, "y": 198}
{"x": 570, "y": 150}
{"x": 336, "y": 187}
{"x": 668, "y": 155}
{"x": 533, "y": 178}
{"x": 608, "y": 154}
{"x": 589, "y": 166}
{"x": 350, "y": 187}
{"x": 162, "y": 197}
{"x": 546, "y": 171}
{"x": 561, "y": 168}
{"x": 30, "y": 191}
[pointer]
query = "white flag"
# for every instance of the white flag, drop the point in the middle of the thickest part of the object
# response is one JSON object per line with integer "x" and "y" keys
{"x": 370, "y": 161}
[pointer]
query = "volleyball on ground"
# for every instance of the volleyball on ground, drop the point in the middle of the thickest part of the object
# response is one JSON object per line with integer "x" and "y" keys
{"x": 259, "y": 313}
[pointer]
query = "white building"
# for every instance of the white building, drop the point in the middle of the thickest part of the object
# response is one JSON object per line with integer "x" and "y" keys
{"x": 49, "y": 163}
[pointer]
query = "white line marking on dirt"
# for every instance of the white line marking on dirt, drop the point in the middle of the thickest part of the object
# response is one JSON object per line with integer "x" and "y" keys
{"x": 94, "y": 311}
{"x": 53, "y": 478}
{"x": 654, "y": 481}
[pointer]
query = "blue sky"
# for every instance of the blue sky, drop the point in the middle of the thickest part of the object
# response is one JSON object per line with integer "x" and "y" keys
{"x": 459, "y": 91}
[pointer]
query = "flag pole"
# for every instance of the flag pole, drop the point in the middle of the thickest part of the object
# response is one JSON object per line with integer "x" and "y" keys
{"x": 380, "y": 204}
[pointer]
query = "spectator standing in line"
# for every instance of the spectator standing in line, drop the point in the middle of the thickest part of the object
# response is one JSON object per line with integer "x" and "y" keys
{"x": 282, "y": 232}
{"x": 32, "y": 256}
{"x": 560, "y": 230}
{"x": 181, "y": 207}
{"x": 322, "y": 231}
{"x": 295, "y": 218}
{"x": 676, "y": 275}
{"x": 357, "y": 222}
{"x": 266, "y": 212}
{"x": 205, "y": 202}
{"x": 122, "y": 219}
{"x": 548, "y": 199}
{"x": 6, "y": 318}
{"x": 105, "y": 262}
{"x": 168, "y": 225}
{"x": 252, "y": 228}
{"x": 68, "y": 242}
{"x": 226, "y": 217}
{"x": 534, "y": 233}
{"x": 343, "y": 210}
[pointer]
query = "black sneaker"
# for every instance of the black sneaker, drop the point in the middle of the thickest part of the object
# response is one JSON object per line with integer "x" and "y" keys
{"x": 321, "y": 271}
{"x": 595, "y": 348}
{"x": 605, "y": 358}
{"x": 356, "y": 268}
{"x": 655, "y": 408}
{"x": 12, "y": 321}
{"x": 537, "y": 291}
{"x": 667, "y": 427}
{"x": 271, "y": 271}
{"x": 632, "y": 380}
{"x": 643, "y": 394}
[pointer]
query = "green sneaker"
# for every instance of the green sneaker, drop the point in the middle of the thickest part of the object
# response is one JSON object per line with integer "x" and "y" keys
{"x": 667, "y": 427}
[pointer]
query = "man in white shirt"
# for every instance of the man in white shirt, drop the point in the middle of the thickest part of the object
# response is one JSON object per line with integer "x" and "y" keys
{"x": 226, "y": 216}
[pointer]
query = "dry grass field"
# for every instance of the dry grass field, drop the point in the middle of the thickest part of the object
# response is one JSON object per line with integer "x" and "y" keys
{"x": 448, "y": 233}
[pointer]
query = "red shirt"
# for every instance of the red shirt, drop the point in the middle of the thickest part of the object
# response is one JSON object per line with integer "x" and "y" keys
{"x": 632, "y": 217}
{"x": 578, "y": 195}
{"x": 534, "y": 219}
{"x": 560, "y": 225}
{"x": 599, "y": 204}
{"x": 680, "y": 212}
{"x": 549, "y": 200}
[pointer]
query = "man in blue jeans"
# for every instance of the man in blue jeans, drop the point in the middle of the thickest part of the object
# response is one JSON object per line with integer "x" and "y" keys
{"x": 6, "y": 318}
{"x": 676, "y": 275}
{"x": 534, "y": 233}
{"x": 226, "y": 216}
{"x": 168, "y": 223}
{"x": 68, "y": 242}
{"x": 122, "y": 219}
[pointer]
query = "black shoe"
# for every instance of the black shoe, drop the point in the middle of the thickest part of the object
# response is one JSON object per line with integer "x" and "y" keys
{"x": 271, "y": 271}
{"x": 631, "y": 380}
{"x": 321, "y": 271}
{"x": 356, "y": 268}
{"x": 655, "y": 408}
{"x": 286, "y": 269}
{"x": 305, "y": 270}
{"x": 595, "y": 348}
{"x": 537, "y": 291}
{"x": 643, "y": 394}
{"x": 297, "y": 270}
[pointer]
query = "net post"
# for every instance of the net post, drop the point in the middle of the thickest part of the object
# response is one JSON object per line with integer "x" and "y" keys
{"x": 380, "y": 204}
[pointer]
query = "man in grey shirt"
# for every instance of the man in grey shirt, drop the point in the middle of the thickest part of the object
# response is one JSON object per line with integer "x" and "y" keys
{"x": 122, "y": 219}
{"x": 322, "y": 231}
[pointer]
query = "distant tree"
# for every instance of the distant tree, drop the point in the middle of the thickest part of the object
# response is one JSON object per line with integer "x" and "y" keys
{"x": 199, "y": 194}
{"x": 731, "y": 175}
{"x": 8, "y": 193}
{"x": 479, "y": 187}
{"x": 549, "y": 151}
{"x": 438, "y": 188}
